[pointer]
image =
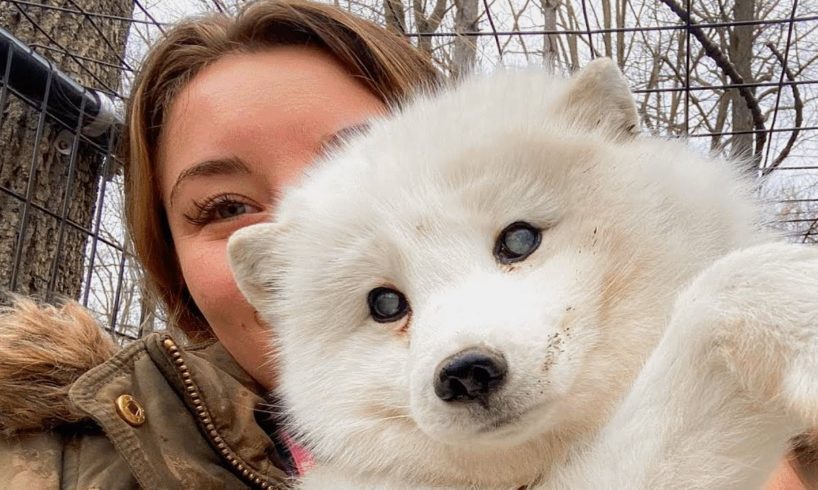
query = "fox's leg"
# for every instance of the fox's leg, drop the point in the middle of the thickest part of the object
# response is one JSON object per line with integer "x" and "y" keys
{"x": 733, "y": 379}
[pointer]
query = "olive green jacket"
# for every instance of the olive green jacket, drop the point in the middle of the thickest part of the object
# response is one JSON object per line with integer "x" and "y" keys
{"x": 153, "y": 416}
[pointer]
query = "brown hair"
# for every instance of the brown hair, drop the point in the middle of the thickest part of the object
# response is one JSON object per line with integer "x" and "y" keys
{"x": 804, "y": 458}
{"x": 386, "y": 63}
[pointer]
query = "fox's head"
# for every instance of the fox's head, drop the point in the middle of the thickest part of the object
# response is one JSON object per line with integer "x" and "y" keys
{"x": 475, "y": 282}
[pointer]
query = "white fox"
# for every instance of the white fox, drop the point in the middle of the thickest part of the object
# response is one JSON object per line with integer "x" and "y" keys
{"x": 502, "y": 285}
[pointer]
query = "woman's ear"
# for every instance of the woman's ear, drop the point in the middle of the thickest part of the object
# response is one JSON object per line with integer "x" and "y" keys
{"x": 598, "y": 97}
{"x": 251, "y": 253}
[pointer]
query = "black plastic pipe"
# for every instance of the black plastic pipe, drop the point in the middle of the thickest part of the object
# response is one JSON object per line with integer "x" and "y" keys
{"x": 29, "y": 76}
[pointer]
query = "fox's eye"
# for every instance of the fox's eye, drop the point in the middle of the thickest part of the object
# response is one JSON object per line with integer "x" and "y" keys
{"x": 387, "y": 305}
{"x": 516, "y": 242}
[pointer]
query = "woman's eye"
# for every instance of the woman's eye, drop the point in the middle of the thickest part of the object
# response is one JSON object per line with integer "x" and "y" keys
{"x": 387, "y": 305}
{"x": 231, "y": 210}
{"x": 516, "y": 242}
{"x": 220, "y": 208}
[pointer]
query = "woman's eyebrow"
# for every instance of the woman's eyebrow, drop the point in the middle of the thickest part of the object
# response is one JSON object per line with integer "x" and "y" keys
{"x": 219, "y": 166}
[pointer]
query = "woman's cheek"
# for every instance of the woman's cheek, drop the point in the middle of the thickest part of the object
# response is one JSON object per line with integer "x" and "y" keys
{"x": 230, "y": 317}
{"x": 210, "y": 282}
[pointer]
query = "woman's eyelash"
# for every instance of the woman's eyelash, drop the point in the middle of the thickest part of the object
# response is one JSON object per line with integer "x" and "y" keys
{"x": 206, "y": 209}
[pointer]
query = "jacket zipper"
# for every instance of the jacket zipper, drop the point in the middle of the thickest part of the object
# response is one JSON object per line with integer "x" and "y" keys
{"x": 205, "y": 421}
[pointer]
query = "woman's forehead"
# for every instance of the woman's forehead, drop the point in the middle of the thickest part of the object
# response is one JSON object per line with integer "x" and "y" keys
{"x": 278, "y": 84}
{"x": 265, "y": 104}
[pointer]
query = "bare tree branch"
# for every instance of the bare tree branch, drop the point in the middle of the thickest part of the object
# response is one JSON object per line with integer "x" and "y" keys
{"x": 799, "y": 112}
{"x": 428, "y": 25}
{"x": 395, "y": 16}
{"x": 714, "y": 53}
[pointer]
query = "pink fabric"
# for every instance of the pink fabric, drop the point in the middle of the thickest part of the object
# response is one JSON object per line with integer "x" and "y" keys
{"x": 301, "y": 457}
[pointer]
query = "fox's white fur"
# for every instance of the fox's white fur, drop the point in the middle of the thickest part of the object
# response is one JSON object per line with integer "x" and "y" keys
{"x": 657, "y": 338}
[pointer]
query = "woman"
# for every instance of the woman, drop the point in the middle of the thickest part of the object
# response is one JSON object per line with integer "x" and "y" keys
{"x": 225, "y": 113}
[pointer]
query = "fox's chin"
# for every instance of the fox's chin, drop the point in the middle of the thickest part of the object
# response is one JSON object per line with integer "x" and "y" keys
{"x": 494, "y": 430}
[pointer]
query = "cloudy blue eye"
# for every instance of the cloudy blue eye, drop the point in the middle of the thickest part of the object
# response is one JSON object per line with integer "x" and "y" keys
{"x": 387, "y": 305}
{"x": 516, "y": 242}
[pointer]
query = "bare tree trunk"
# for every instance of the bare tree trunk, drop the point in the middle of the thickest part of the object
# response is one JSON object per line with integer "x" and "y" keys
{"x": 621, "y": 6}
{"x": 41, "y": 257}
{"x": 427, "y": 25}
{"x": 741, "y": 55}
{"x": 569, "y": 19}
{"x": 550, "y": 50}
{"x": 653, "y": 79}
{"x": 721, "y": 119}
{"x": 395, "y": 16}
{"x": 464, "y": 53}
{"x": 676, "y": 98}
{"x": 606, "y": 24}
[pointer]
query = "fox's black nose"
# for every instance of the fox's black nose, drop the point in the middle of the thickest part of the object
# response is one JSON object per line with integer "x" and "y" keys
{"x": 470, "y": 375}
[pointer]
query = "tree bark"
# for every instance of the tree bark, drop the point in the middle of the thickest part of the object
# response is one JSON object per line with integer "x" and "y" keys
{"x": 621, "y": 7}
{"x": 741, "y": 55}
{"x": 51, "y": 251}
{"x": 465, "y": 46}
{"x": 550, "y": 49}
{"x": 394, "y": 16}
{"x": 427, "y": 24}
{"x": 607, "y": 24}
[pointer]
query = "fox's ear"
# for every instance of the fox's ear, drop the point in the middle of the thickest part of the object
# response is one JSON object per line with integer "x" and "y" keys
{"x": 251, "y": 252}
{"x": 599, "y": 97}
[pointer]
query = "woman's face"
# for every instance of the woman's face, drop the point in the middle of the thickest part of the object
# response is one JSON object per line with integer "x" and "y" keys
{"x": 235, "y": 136}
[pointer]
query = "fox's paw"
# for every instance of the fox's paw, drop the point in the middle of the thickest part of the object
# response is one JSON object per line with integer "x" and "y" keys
{"x": 799, "y": 386}
{"x": 758, "y": 311}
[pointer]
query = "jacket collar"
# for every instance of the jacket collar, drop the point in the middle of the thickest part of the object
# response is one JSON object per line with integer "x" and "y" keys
{"x": 212, "y": 393}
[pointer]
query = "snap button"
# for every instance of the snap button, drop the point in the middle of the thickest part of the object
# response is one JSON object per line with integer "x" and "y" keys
{"x": 130, "y": 410}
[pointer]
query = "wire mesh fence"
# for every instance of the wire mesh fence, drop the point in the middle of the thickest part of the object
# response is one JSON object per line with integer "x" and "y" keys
{"x": 61, "y": 232}
{"x": 736, "y": 77}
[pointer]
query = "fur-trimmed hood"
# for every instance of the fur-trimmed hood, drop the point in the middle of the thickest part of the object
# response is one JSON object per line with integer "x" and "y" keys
{"x": 43, "y": 350}
{"x": 199, "y": 425}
